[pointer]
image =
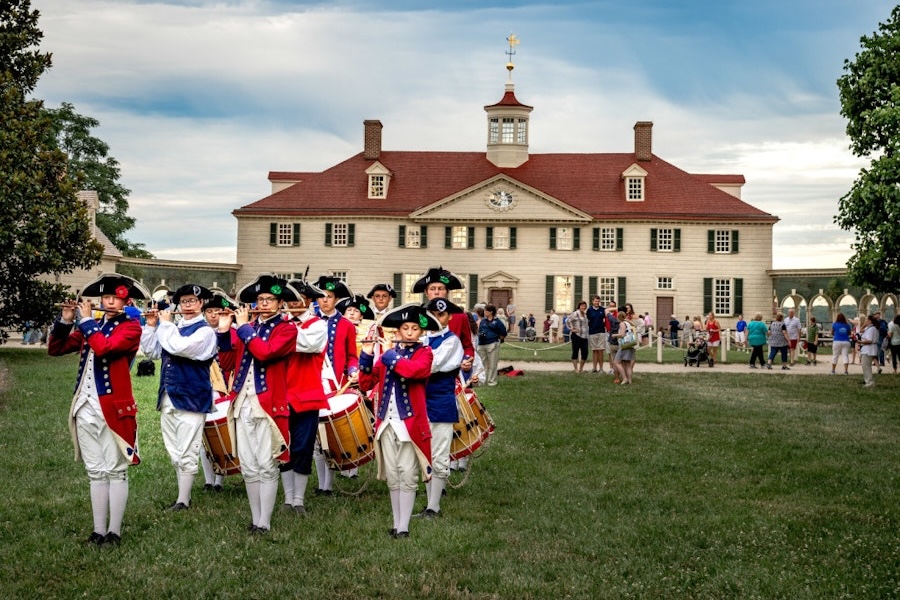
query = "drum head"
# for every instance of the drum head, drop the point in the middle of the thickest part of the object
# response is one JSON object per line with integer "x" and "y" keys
{"x": 338, "y": 404}
{"x": 220, "y": 411}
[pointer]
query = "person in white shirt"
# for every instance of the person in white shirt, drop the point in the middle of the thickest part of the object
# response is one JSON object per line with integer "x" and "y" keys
{"x": 868, "y": 349}
{"x": 185, "y": 391}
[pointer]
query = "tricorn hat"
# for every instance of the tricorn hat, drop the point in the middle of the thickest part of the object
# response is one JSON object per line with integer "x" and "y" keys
{"x": 411, "y": 313}
{"x": 436, "y": 305}
{"x": 305, "y": 288}
{"x": 266, "y": 283}
{"x": 122, "y": 286}
{"x": 219, "y": 300}
{"x": 335, "y": 285}
{"x": 191, "y": 289}
{"x": 439, "y": 275}
{"x": 382, "y": 287}
{"x": 358, "y": 302}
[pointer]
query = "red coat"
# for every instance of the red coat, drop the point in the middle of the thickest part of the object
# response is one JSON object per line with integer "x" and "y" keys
{"x": 268, "y": 346}
{"x": 407, "y": 375}
{"x": 459, "y": 324}
{"x": 114, "y": 343}
{"x": 304, "y": 371}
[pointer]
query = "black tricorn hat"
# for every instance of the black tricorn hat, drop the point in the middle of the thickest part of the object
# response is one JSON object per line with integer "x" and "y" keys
{"x": 122, "y": 286}
{"x": 357, "y": 301}
{"x": 411, "y": 313}
{"x": 219, "y": 300}
{"x": 191, "y": 289}
{"x": 436, "y": 305}
{"x": 439, "y": 275}
{"x": 335, "y": 285}
{"x": 305, "y": 288}
{"x": 266, "y": 283}
{"x": 382, "y": 287}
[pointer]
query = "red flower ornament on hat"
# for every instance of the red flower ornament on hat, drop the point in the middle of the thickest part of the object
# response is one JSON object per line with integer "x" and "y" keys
{"x": 122, "y": 292}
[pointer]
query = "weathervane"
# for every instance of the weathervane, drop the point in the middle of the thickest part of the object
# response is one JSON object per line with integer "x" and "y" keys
{"x": 513, "y": 42}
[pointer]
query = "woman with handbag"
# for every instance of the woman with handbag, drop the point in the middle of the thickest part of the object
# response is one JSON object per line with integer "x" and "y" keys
{"x": 624, "y": 362}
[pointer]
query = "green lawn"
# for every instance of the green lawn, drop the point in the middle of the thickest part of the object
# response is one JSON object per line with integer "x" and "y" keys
{"x": 725, "y": 486}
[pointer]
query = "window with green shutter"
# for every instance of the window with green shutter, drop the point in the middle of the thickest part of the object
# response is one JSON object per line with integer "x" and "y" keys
{"x": 548, "y": 293}
{"x": 489, "y": 238}
{"x": 552, "y": 240}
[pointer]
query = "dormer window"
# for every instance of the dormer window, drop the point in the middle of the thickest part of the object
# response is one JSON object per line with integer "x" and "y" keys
{"x": 379, "y": 179}
{"x": 635, "y": 180}
{"x": 377, "y": 186}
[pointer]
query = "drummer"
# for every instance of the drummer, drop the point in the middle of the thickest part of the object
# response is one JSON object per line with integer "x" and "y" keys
{"x": 259, "y": 409}
{"x": 305, "y": 394}
{"x": 221, "y": 373}
{"x": 402, "y": 432}
{"x": 185, "y": 390}
{"x": 342, "y": 357}
{"x": 440, "y": 397}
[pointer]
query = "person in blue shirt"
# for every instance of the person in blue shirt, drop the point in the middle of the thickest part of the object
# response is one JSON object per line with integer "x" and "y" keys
{"x": 491, "y": 332}
{"x": 840, "y": 343}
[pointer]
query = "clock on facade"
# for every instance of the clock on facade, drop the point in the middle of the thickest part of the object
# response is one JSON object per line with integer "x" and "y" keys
{"x": 500, "y": 200}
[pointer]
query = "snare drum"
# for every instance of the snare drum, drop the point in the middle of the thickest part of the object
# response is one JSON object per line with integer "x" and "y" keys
{"x": 467, "y": 433}
{"x": 346, "y": 433}
{"x": 217, "y": 440}
{"x": 484, "y": 419}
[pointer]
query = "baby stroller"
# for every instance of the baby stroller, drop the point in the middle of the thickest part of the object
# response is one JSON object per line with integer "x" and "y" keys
{"x": 697, "y": 352}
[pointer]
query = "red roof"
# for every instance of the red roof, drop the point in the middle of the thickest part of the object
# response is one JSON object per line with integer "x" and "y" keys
{"x": 591, "y": 183}
{"x": 509, "y": 99}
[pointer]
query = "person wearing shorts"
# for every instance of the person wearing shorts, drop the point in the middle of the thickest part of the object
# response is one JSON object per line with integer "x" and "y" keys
{"x": 597, "y": 334}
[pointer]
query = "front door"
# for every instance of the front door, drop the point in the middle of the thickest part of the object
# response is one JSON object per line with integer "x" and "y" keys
{"x": 665, "y": 308}
{"x": 499, "y": 297}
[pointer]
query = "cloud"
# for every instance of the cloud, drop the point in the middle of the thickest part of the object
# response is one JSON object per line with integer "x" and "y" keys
{"x": 199, "y": 100}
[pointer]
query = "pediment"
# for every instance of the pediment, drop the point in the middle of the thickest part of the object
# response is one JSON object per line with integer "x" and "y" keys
{"x": 501, "y": 278}
{"x": 497, "y": 200}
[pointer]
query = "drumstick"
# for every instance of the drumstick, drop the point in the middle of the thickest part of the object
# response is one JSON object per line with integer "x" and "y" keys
{"x": 343, "y": 388}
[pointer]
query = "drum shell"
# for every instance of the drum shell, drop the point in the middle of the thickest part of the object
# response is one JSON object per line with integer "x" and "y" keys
{"x": 217, "y": 439}
{"x": 346, "y": 432}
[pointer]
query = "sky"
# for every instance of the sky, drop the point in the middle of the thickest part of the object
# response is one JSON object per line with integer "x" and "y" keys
{"x": 199, "y": 100}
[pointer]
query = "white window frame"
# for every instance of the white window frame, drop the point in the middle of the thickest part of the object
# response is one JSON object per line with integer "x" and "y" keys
{"x": 665, "y": 282}
{"x": 507, "y": 130}
{"x": 563, "y": 294}
{"x": 413, "y": 236}
{"x": 409, "y": 281}
{"x": 377, "y": 186}
{"x": 340, "y": 234}
{"x": 564, "y": 238}
{"x": 607, "y": 289}
{"x": 501, "y": 238}
{"x": 522, "y": 132}
{"x": 723, "y": 242}
{"x": 665, "y": 239}
{"x": 459, "y": 237}
{"x": 608, "y": 238}
{"x": 285, "y": 235}
{"x": 494, "y": 130}
{"x": 634, "y": 189}
{"x": 723, "y": 300}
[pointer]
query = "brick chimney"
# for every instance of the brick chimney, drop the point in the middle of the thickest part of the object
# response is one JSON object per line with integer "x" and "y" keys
{"x": 371, "y": 139}
{"x": 643, "y": 140}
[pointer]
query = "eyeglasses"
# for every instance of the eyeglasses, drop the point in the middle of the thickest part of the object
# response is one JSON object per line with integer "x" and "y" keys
{"x": 188, "y": 301}
{"x": 266, "y": 299}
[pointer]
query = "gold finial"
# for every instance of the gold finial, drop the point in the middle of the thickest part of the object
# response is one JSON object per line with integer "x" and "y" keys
{"x": 513, "y": 42}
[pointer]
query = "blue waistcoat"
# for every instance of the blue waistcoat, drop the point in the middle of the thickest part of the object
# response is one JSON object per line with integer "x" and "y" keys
{"x": 186, "y": 380}
{"x": 440, "y": 392}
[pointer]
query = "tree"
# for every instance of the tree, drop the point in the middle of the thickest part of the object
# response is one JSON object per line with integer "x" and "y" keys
{"x": 89, "y": 160}
{"x": 870, "y": 101}
{"x": 44, "y": 227}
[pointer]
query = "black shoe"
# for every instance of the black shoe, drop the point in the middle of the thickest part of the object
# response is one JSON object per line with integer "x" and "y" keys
{"x": 178, "y": 506}
{"x": 299, "y": 510}
{"x": 321, "y": 492}
{"x": 111, "y": 540}
{"x": 207, "y": 487}
{"x": 96, "y": 538}
{"x": 218, "y": 487}
{"x": 251, "y": 528}
{"x": 260, "y": 530}
{"x": 785, "y": 368}
{"x": 392, "y": 532}
{"x": 401, "y": 534}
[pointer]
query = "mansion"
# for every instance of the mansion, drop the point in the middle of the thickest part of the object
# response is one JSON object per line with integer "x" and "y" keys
{"x": 546, "y": 230}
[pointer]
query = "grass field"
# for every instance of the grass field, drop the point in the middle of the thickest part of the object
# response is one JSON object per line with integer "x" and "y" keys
{"x": 726, "y": 486}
